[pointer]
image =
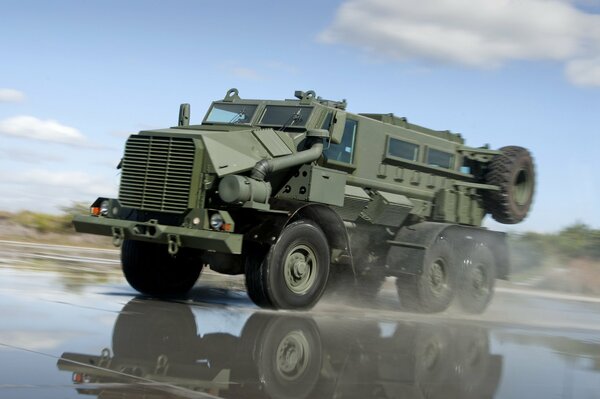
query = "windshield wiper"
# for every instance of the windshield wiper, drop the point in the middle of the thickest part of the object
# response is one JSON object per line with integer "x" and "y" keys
{"x": 239, "y": 116}
{"x": 294, "y": 118}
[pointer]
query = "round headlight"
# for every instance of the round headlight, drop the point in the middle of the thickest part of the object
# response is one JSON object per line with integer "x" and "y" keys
{"x": 104, "y": 208}
{"x": 216, "y": 221}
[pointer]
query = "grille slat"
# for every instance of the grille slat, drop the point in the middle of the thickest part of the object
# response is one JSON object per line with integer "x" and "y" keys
{"x": 157, "y": 173}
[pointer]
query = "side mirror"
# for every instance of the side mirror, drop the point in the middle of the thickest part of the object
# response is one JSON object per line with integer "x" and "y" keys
{"x": 184, "y": 115}
{"x": 337, "y": 127}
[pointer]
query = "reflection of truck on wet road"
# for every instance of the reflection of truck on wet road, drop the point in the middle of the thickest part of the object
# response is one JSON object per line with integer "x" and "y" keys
{"x": 161, "y": 348}
{"x": 297, "y": 192}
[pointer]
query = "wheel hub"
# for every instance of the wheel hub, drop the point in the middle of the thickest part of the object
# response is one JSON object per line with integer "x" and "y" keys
{"x": 300, "y": 269}
{"x": 478, "y": 281}
{"x": 437, "y": 276}
{"x": 292, "y": 355}
{"x": 478, "y": 278}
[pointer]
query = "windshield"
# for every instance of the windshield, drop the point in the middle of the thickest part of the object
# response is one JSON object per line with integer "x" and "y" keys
{"x": 231, "y": 113}
{"x": 285, "y": 116}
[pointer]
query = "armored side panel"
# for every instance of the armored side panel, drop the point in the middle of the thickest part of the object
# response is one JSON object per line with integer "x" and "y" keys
{"x": 355, "y": 200}
{"x": 316, "y": 184}
{"x": 387, "y": 209}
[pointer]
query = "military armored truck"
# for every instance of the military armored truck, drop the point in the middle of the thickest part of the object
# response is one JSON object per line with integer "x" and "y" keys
{"x": 299, "y": 195}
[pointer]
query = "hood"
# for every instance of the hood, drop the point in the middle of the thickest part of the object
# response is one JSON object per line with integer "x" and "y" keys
{"x": 231, "y": 152}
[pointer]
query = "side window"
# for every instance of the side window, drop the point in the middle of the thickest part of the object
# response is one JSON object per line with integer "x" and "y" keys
{"x": 343, "y": 152}
{"x": 403, "y": 149}
{"x": 440, "y": 158}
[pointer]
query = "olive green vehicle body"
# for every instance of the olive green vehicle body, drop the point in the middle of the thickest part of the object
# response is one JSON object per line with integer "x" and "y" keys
{"x": 399, "y": 184}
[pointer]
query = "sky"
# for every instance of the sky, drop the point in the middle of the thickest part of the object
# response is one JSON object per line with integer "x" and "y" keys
{"x": 77, "y": 77}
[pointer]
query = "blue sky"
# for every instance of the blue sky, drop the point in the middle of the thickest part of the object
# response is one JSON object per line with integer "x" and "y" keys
{"x": 77, "y": 77}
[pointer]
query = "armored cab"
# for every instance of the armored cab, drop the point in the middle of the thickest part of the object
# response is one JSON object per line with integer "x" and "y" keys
{"x": 299, "y": 195}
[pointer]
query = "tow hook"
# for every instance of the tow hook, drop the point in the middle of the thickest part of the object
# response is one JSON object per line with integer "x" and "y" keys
{"x": 174, "y": 244}
{"x": 104, "y": 361}
{"x": 117, "y": 236}
{"x": 162, "y": 365}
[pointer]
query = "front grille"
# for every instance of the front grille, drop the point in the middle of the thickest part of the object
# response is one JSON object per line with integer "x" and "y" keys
{"x": 157, "y": 173}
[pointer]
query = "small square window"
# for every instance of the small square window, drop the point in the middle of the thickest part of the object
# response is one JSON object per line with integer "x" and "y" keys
{"x": 403, "y": 149}
{"x": 440, "y": 158}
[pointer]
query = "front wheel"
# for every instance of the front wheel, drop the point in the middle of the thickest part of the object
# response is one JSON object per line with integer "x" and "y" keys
{"x": 150, "y": 269}
{"x": 294, "y": 272}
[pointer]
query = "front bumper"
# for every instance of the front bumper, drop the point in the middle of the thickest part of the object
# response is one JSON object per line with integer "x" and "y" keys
{"x": 217, "y": 241}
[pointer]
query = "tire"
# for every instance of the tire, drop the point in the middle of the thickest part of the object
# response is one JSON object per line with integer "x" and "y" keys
{"x": 473, "y": 359}
{"x": 513, "y": 171}
{"x": 253, "y": 273}
{"x": 290, "y": 357}
{"x": 294, "y": 272}
{"x": 150, "y": 269}
{"x": 478, "y": 277}
{"x": 432, "y": 290}
{"x": 433, "y": 361}
{"x": 147, "y": 329}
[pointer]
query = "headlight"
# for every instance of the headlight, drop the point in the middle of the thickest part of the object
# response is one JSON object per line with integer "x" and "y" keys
{"x": 216, "y": 221}
{"x": 100, "y": 207}
{"x": 104, "y": 208}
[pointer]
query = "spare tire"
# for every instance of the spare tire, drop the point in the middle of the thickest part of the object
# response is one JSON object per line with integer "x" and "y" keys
{"x": 513, "y": 172}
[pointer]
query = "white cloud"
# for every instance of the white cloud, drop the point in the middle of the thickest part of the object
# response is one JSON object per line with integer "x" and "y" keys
{"x": 480, "y": 34}
{"x": 584, "y": 72}
{"x": 11, "y": 96}
{"x": 45, "y": 130}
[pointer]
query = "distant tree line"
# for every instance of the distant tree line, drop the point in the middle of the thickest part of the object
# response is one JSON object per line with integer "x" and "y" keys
{"x": 577, "y": 241}
{"x": 47, "y": 223}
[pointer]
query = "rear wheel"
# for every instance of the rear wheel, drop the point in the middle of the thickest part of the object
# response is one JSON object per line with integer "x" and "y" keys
{"x": 478, "y": 276}
{"x": 150, "y": 269}
{"x": 432, "y": 290}
{"x": 294, "y": 272}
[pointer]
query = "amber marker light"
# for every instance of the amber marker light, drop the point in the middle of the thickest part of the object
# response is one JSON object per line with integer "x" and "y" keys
{"x": 95, "y": 211}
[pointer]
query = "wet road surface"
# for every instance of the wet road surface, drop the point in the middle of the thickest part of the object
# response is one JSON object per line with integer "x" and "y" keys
{"x": 71, "y": 327}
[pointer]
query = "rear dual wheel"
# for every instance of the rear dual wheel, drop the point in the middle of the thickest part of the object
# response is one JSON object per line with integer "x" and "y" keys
{"x": 467, "y": 272}
{"x": 433, "y": 289}
{"x": 478, "y": 276}
{"x": 294, "y": 271}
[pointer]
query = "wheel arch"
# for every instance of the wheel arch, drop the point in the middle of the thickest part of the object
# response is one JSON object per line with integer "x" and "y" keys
{"x": 329, "y": 221}
{"x": 271, "y": 225}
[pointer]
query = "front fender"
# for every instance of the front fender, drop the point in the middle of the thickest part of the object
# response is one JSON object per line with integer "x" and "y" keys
{"x": 269, "y": 225}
